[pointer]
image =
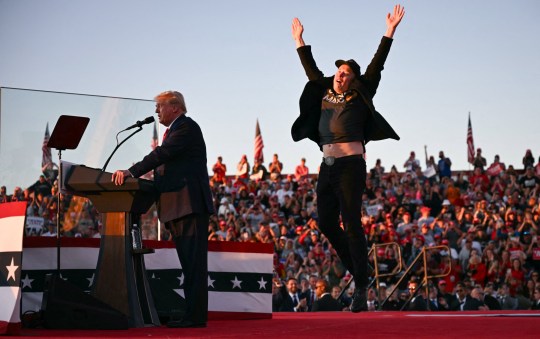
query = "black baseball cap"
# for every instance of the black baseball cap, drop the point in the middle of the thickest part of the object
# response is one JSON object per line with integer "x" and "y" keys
{"x": 352, "y": 64}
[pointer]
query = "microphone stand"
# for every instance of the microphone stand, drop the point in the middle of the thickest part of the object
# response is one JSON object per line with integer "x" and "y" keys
{"x": 120, "y": 144}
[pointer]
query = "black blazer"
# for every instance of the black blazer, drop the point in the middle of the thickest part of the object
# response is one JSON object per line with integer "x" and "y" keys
{"x": 282, "y": 301}
{"x": 307, "y": 124}
{"x": 326, "y": 303}
{"x": 180, "y": 172}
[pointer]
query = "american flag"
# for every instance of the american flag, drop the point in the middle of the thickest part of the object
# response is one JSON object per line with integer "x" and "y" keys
{"x": 470, "y": 142}
{"x": 155, "y": 140}
{"x": 47, "y": 156}
{"x": 259, "y": 145}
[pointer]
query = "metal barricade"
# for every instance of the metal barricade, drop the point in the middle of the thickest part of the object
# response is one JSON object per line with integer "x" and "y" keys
{"x": 425, "y": 280}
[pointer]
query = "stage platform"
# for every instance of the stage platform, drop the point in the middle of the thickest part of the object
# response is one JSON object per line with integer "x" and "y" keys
{"x": 496, "y": 324}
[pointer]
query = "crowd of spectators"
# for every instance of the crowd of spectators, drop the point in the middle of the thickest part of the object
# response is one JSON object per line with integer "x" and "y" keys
{"x": 487, "y": 218}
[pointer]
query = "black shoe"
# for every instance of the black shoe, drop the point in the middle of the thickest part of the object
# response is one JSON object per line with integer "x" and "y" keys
{"x": 185, "y": 324}
{"x": 359, "y": 302}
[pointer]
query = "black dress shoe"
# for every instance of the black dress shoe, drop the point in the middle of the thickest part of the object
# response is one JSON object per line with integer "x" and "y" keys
{"x": 185, "y": 324}
{"x": 359, "y": 302}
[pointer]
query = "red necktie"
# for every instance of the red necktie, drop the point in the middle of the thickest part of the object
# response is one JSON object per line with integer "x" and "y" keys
{"x": 165, "y": 135}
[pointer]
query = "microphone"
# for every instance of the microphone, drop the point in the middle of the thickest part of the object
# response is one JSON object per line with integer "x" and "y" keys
{"x": 140, "y": 123}
{"x": 137, "y": 124}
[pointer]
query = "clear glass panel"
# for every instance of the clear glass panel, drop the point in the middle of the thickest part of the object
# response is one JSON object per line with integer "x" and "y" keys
{"x": 24, "y": 115}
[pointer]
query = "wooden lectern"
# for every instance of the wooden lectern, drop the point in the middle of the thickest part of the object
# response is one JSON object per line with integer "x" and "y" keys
{"x": 120, "y": 279}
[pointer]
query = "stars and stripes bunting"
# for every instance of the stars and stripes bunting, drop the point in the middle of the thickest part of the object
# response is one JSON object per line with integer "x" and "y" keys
{"x": 239, "y": 275}
{"x": 11, "y": 246}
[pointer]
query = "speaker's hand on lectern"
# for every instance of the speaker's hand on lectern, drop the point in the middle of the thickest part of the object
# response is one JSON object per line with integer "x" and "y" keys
{"x": 120, "y": 176}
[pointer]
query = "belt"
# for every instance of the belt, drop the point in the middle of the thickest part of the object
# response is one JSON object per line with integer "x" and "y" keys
{"x": 329, "y": 161}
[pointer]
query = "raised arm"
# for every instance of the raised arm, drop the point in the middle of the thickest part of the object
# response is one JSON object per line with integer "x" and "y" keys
{"x": 304, "y": 52}
{"x": 297, "y": 31}
{"x": 372, "y": 75}
{"x": 393, "y": 20}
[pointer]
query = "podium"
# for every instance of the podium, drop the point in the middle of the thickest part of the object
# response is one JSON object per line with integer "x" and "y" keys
{"x": 120, "y": 280}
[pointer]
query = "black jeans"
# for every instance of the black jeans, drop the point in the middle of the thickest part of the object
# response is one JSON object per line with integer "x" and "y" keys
{"x": 339, "y": 191}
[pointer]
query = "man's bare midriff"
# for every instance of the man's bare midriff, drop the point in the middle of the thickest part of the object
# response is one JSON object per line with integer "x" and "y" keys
{"x": 343, "y": 149}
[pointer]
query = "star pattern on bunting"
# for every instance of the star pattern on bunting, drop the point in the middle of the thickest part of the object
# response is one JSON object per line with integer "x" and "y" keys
{"x": 210, "y": 281}
{"x": 91, "y": 280}
{"x": 12, "y": 268}
{"x": 27, "y": 282}
{"x": 180, "y": 292}
{"x": 236, "y": 283}
{"x": 262, "y": 284}
{"x": 181, "y": 279}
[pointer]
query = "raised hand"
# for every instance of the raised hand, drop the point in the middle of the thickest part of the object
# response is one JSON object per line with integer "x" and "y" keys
{"x": 297, "y": 31}
{"x": 393, "y": 20}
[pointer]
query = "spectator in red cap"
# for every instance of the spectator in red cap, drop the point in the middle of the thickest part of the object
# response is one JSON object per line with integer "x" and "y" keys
{"x": 425, "y": 218}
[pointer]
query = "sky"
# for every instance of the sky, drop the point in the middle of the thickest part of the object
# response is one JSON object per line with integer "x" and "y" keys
{"x": 235, "y": 62}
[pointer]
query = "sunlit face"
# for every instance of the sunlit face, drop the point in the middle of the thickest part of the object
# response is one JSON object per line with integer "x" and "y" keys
{"x": 292, "y": 286}
{"x": 319, "y": 289}
{"x": 166, "y": 112}
{"x": 336, "y": 291}
{"x": 343, "y": 78}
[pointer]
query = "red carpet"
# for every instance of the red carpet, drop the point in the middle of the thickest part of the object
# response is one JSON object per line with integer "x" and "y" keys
{"x": 497, "y": 324}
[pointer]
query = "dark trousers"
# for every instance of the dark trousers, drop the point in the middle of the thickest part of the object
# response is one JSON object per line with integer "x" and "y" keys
{"x": 190, "y": 235}
{"x": 339, "y": 192}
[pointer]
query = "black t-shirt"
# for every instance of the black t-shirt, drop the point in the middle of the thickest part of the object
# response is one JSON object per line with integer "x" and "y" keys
{"x": 343, "y": 118}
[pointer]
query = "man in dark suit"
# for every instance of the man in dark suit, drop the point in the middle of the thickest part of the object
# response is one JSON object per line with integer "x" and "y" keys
{"x": 289, "y": 298}
{"x": 506, "y": 301}
{"x": 185, "y": 200}
{"x": 325, "y": 302}
{"x": 458, "y": 302}
{"x": 338, "y": 114}
{"x": 477, "y": 300}
{"x": 536, "y": 303}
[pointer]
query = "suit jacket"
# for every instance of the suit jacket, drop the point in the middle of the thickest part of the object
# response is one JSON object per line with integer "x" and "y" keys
{"x": 492, "y": 302}
{"x": 180, "y": 172}
{"x": 472, "y": 304}
{"x": 326, "y": 303}
{"x": 282, "y": 301}
{"x": 309, "y": 298}
{"x": 508, "y": 303}
{"x": 418, "y": 303}
{"x": 307, "y": 124}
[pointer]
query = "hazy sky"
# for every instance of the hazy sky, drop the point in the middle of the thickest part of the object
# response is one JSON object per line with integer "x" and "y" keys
{"x": 235, "y": 62}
